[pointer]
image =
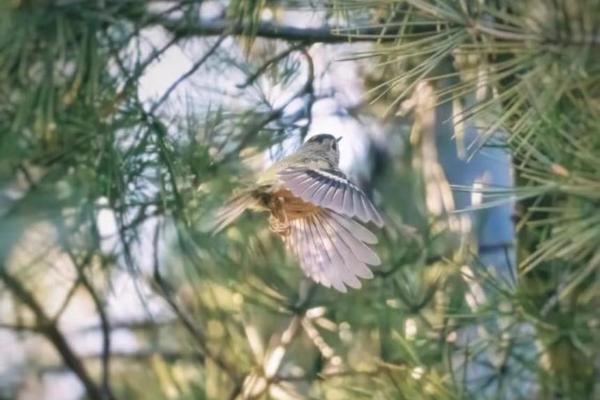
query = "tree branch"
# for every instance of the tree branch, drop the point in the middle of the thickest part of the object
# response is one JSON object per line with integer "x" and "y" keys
{"x": 337, "y": 35}
{"x": 143, "y": 356}
{"x": 268, "y": 30}
{"x": 190, "y": 72}
{"x": 273, "y": 60}
{"x": 106, "y": 330}
{"x": 48, "y": 328}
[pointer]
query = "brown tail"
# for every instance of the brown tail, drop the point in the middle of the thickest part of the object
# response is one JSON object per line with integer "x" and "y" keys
{"x": 232, "y": 210}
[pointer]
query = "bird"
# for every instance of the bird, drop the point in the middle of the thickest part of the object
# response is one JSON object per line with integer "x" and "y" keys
{"x": 316, "y": 210}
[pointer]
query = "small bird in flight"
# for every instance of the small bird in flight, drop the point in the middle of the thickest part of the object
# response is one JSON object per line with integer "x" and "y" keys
{"x": 312, "y": 206}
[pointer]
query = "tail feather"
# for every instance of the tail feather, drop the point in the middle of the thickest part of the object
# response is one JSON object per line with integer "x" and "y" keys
{"x": 232, "y": 210}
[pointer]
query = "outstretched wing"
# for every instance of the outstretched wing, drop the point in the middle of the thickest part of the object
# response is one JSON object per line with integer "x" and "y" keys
{"x": 330, "y": 189}
{"x": 332, "y": 248}
{"x": 232, "y": 210}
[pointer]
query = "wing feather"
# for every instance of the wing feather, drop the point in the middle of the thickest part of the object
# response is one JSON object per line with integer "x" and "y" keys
{"x": 299, "y": 181}
{"x": 319, "y": 256}
{"x": 333, "y": 264}
{"x": 309, "y": 189}
{"x": 340, "y": 195}
{"x": 359, "y": 249}
{"x": 336, "y": 246}
{"x": 337, "y": 202}
{"x": 320, "y": 194}
{"x": 301, "y": 249}
{"x": 307, "y": 260}
{"x": 231, "y": 211}
{"x": 328, "y": 198}
{"x": 357, "y": 267}
{"x": 338, "y": 264}
{"x": 359, "y": 211}
{"x": 348, "y": 208}
{"x": 374, "y": 214}
{"x": 332, "y": 249}
{"x": 359, "y": 231}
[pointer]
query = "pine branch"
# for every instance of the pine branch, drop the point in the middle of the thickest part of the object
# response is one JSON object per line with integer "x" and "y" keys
{"x": 267, "y": 30}
{"x": 273, "y": 60}
{"x": 374, "y": 33}
{"x": 166, "y": 292}
{"x": 49, "y": 329}
{"x": 189, "y": 73}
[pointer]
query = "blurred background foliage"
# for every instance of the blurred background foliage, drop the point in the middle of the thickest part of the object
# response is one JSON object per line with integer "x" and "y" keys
{"x": 110, "y": 166}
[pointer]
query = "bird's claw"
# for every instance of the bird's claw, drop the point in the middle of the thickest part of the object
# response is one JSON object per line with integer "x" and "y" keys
{"x": 279, "y": 224}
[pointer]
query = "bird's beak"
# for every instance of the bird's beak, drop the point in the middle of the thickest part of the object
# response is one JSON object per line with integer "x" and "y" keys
{"x": 338, "y": 139}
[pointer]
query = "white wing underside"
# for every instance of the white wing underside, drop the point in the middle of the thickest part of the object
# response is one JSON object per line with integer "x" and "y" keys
{"x": 332, "y": 248}
{"x": 332, "y": 190}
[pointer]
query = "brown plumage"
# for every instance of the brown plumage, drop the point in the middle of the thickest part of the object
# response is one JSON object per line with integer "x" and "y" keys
{"x": 312, "y": 205}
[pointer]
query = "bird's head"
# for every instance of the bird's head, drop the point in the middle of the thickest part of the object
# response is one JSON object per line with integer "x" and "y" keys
{"x": 324, "y": 145}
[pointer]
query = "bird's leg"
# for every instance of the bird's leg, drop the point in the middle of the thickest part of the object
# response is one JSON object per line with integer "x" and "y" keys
{"x": 278, "y": 221}
{"x": 279, "y": 225}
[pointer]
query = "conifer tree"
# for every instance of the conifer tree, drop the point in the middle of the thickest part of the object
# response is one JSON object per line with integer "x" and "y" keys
{"x": 105, "y": 192}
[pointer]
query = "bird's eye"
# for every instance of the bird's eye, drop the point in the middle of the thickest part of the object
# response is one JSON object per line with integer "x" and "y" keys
{"x": 334, "y": 145}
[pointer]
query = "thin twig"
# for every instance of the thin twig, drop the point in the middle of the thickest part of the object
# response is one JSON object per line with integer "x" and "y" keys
{"x": 142, "y": 355}
{"x": 273, "y": 60}
{"x": 18, "y": 327}
{"x": 167, "y": 294}
{"x": 190, "y": 72}
{"x": 49, "y": 329}
{"x": 106, "y": 330}
{"x": 67, "y": 300}
{"x": 310, "y": 91}
{"x": 274, "y": 114}
{"x": 80, "y": 267}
